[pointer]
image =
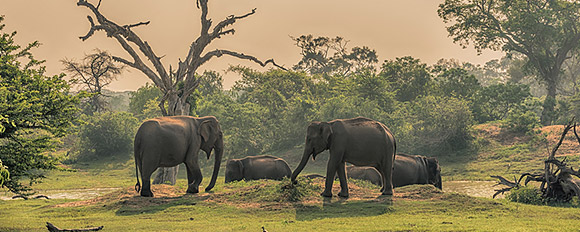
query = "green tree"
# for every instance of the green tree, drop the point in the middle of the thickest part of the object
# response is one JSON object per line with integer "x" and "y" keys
{"x": 545, "y": 31}
{"x": 408, "y": 76}
{"x": 323, "y": 55}
{"x": 107, "y": 134}
{"x": 36, "y": 109}
{"x": 143, "y": 102}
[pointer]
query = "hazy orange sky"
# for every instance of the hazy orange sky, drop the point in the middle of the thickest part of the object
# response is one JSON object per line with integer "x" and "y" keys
{"x": 394, "y": 28}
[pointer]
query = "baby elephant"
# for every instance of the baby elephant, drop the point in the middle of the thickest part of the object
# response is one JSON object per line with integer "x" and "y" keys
{"x": 408, "y": 170}
{"x": 257, "y": 167}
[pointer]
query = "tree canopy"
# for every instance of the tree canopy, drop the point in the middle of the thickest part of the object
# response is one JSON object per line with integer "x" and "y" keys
{"x": 544, "y": 31}
{"x": 34, "y": 109}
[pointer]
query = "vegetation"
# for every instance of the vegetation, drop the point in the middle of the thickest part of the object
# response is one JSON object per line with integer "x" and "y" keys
{"x": 105, "y": 134}
{"x": 93, "y": 73}
{"x": 35, "y": 110}
{"x": 545, "y": 32}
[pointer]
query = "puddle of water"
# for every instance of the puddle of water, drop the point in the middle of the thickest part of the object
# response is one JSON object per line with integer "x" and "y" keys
{"x": 473, "y": 188}
{"x": 81, "y": 194}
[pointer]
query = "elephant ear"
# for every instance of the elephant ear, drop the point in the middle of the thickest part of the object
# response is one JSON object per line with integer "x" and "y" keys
{"x": 326, "y": 133}
{"x": 205, "y": 130}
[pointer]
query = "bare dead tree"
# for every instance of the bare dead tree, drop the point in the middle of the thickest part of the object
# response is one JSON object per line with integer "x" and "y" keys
{"x": 93, "y": 73}
{"x": 176, "y": 85}
{"x": 557, "y": 180}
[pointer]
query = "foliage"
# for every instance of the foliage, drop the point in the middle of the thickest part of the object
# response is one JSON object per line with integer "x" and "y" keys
{"x": 543, "y": 31}
{"x": 526, "y": 195}
{"x": 143, "y": 102}
{"x": 4, "y": 174}
{"x": 521, "y": 121}
{"x": 494, "y": 102}
{"x": 323, "y": 55}
{"x": 434, "y": 125}
{"x": 408, "y": 76}
{"x": 35, "y": 109}
{"x": 106, "y": 134}
{"x": 92, "y": 74}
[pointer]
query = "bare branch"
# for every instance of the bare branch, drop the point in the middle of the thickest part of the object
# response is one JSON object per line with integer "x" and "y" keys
{"x": 220, "y": 52}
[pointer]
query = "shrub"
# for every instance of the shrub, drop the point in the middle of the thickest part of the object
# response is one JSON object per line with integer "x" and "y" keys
{"x": 520, "y": 121}
{"x": 434, "y": 125}
{"x": 526, "y": 195}
{"x": 106, "y": 134}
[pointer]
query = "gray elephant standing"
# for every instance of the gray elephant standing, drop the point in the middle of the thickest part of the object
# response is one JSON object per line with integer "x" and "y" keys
{"x": 359, "y": 141}
{"x": 169, "y": 141}
{"x": 257, "y": 167}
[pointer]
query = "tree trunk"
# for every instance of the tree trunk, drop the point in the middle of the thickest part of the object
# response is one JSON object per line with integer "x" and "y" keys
{"x": 168, "y": 175}
{"x": 548, "y": 114}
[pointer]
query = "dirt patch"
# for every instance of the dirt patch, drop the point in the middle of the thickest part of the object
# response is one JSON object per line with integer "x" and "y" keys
{"x": 569, "y": 145}
{"x": 128, "y": 196}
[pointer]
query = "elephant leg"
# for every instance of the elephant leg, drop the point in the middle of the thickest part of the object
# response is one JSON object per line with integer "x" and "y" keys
{"x": 146, "y": 173}
{"x": 333, "y": 164}
{"x": 387, "y": 173}
{"x": 194, "y": 176}
{"x": 343, "y": 180}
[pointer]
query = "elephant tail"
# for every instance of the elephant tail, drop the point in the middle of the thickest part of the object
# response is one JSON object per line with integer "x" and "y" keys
{"x": 138, "y": 185}
{"x": 138, "y": 156}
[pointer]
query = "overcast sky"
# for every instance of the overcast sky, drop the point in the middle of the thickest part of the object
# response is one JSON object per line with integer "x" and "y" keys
{"x": 394, "y": 28}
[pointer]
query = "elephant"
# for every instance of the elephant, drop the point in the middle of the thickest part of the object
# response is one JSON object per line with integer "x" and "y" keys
{"x": 408, "y": 170}
{"x": 169, "y": 141}
{"x": 257, "y": 167}
{"x": 359, "y": 141}
{"x": 368, "y": 173}
{"x": 416, "y": 169}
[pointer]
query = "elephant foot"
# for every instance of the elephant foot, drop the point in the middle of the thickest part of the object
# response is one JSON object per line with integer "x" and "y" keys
{"x": 192, "y": 190}
{"x": 146, "y": 194}
{"x": 389, "y": 193}
{"x": 326, "y": 194}
{"x": 341, "y": 194}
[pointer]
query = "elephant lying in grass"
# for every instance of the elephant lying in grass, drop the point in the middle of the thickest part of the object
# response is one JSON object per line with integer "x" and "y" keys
{"x": 257, "y": 167}
{"x": 408, "y": 170}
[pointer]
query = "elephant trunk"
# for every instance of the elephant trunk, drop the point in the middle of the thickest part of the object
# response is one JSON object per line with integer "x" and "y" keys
{"x": 439, "y": 184}
{"x": 303, "y": 162}
{"x": 219, "y": 152}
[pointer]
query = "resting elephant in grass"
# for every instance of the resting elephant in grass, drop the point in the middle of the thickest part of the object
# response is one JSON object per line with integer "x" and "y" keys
{"x": 408, "y": 170}
{"x": 169, "y": 141}
{"x": 257, "y": 167}
{"x": 359, "y": 141}
{"x": 368, "y": 173}
{"x": 416, "y": 169}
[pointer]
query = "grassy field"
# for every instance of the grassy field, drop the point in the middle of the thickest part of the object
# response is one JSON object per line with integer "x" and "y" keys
{"x": 247, "y": 206}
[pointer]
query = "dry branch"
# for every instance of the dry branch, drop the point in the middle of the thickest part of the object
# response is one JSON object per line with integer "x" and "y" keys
{"x": 557, "y": 180}
{"x": 53, "y": 228}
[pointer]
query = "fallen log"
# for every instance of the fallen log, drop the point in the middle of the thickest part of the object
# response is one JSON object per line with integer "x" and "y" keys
{"x": 53, "y": 228}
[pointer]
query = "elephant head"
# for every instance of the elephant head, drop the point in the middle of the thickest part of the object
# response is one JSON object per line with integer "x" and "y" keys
{"x": 234, "y": 170}
{"x": 212, "y": 139}
{"x": 434, "y": 172}
{"x": 318, "y": 139}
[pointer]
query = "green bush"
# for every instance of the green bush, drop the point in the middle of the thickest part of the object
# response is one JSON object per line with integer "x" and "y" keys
{"x": 106, "y": 134}
{"x": 521, "y": 121}
{"x": 434, "y": 125}
{"x": 526, "y": 195}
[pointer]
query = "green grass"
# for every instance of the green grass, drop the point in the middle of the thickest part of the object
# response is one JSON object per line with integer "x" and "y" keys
{"x": 413, "y": 211}
{"x": 247, "y": 206}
